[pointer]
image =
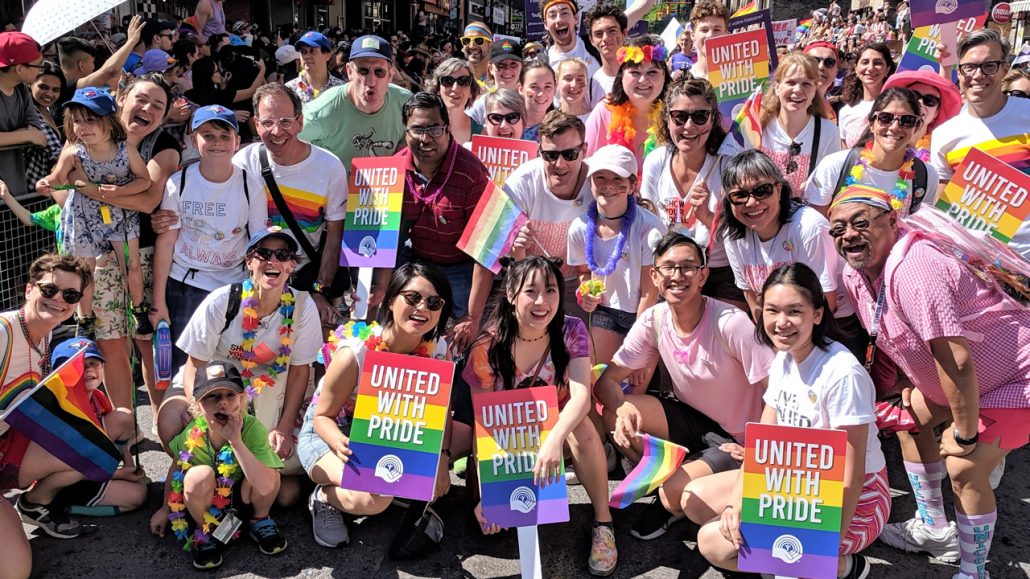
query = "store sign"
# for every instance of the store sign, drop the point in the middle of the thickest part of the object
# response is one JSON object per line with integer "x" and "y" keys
{"x": 1002, "y": 13}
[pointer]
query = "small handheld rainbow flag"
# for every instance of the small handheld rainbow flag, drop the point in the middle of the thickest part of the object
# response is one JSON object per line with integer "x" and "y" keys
{"x": 661, "y": 459}
{"x": 748, "y": 121}
{"x": 804, "y": 25}
{"x": 492, "y": 228}
{"x": 749, "y": 8}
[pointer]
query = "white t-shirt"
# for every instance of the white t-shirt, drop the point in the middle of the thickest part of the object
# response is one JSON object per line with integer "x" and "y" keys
{"x": 600, "y": 86}
{"x": 549, "y": 216}
{"x": 829, "y": 389}
{"x": 622, "y": 286}
{"x": 776, "y": 143}
{"x": 203, "y": 338}
{"x": 555, "y": 55}
{"x": 853, "y": 121}
{"x": 215, "y": 223}
{"x": 804, "y": 239}
{"x": 477, "y": 112}
{"x": 827, "y": 173}
{"x": 315, "y": 190}
{"x": 659, "y": 187}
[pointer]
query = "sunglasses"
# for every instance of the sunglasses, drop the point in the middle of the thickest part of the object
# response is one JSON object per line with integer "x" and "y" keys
{"x": 498, "y": 118}
{"x": 433, "y": 303}
{"x": 1019, "y": 94}
{"x": 698, "y": 117}
{"x": 379, "y": 72}
{"x": 828, "y": 62}
{"x": 477, "y": 40}
{"x": 887, "y": 119}
{"x": 929, "y": 100}
{"x": 281, "y": 254}
{"x": 763, "y": 191}
{"x": 793, "y": 151}
{"x": 462, "y": 81}
{"x": 568, "y": 154}
{"x": 50, "y": 290}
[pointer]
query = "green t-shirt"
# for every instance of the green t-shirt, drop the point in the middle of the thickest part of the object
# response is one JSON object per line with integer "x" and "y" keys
{"x": 254, "y": 436}
{"x": 333, "y": 122}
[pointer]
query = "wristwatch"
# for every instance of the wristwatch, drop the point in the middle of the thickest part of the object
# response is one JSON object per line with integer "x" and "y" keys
{"x": 965, "y": 441}
{"x": 319, "y": 289}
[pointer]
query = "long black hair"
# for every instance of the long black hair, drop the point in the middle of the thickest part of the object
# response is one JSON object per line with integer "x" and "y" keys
{"x": 401, "y": 277}
{"x": 802, "y": 278}
{"x": 506, "y": 325}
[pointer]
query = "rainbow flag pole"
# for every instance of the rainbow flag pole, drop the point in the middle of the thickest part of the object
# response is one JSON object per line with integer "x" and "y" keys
{"x": 492, "y": 228}
{"x": 748, "y": 122}
{"x": 661, "y": 459}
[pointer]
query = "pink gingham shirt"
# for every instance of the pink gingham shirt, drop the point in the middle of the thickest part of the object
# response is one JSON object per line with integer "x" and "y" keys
{"x": 933, "y": 295}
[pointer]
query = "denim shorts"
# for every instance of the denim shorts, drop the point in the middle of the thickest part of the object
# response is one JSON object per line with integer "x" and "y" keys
{"x": 310, "y": 446}
{"x": 613, "y": 320}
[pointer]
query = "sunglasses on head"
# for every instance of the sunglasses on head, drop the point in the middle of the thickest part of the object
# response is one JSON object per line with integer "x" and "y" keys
{"x": 568, "y": 154}
{"x": 929, "y": 100}
{"x": 698, "y": 117}
{"x": 763, "y": 191}
{"x": 462, "y": 81}
{"x": 433, "y": 303}
{"x": 265, "y": 254}
{"x": 887, "y": 119}
{"x": 497, "y": 118}
{"x": 50, "y": 290}
{"x": 477, "y": 40}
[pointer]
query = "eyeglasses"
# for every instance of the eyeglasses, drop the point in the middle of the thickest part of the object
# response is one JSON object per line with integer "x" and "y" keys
{"x": 508, "y": 65}
{"x": 530, "y": 53}
{"x": 828, "y": 62}
{"x": 432, "y": 132}
{"x": 285, "y": 123}
{"x": 928, "y": 100}
{"x": 988, "y": 67}
{"x": 859, "y": 225}
{"x": 887, "y": 119}
{"x": 1019, "y": 94}
{"x": 511, "y": 118}
{"x": 477, "y": 40}
{"x": 49, "y": 290}
{"x": 462, "y": 81}
{"x": 699, "y": 117}
{"x": 568, "y": 154}
{"x": 379, "y": 72}
{"x": 793, "y": 151}
{"x": 672, "y": 270}
{"x": 433, "y": 303}
{"x": 281, "y": 254}
{"x": 166, "y": 35}
{"x": 763, "y": 191}
{"x": 33, "y": 65}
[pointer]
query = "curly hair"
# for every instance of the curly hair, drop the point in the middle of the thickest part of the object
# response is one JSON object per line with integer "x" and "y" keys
{"x": 693, "y": 87}
{"x": 51, "y": 262}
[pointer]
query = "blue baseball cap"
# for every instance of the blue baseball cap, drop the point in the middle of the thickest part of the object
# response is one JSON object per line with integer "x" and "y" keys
{"x": 98, "y": 100}
{"x": 315, "y": 40}
{"x": 214, "y": 113}
{"x": 69, "y": 347}
{"x": 273, "y": 231}
{"x": 371, "y": 46}
{"x": 154, "y": 60}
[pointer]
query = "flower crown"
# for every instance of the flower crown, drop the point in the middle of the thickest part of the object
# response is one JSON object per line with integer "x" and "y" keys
{"x": 639, "y": 54}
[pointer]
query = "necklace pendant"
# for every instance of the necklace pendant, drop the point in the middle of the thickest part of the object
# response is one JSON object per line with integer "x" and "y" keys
{"x": 577, "y": 203}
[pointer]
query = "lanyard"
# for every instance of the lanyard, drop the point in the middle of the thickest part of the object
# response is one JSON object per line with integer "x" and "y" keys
{"x": 874, "y": 329}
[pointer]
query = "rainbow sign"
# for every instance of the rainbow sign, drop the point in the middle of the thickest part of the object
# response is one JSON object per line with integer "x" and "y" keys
{"x": 921, "y": 51}
{"x": 793, "y": 491}
{"x": 492, "y": 228}
{"x": 987, "y": 195}
{"x": 929, "y": 12}
{"x": 738, "y": 64}
{"x": 375, "y": 198}
{"x": 510, "y": 427}
{"x": 398, "y": 426}
{"x": 501, "y": 156}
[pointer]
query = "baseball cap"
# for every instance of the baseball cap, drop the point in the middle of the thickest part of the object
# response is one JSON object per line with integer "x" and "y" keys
{"x": 273, "y": 231}
{"x": 69, "y": 347}
{"x": 286, "y": 54}
{"x": 98, "y": 100}
{"x": 214, "y": 113}
{"x": 238, "y": 25}
{"x": 506, "y": 50}
{"x": 315, "y": 40}
{"x": 371, "y": 46}
{"x": 614, "y": 158}
{"x": 154, "y": 60}
{"x": 17, "y": 48}
{"x": 215, "y": 376}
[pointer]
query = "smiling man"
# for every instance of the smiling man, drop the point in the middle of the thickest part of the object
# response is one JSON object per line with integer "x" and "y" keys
{"x": 476, "y": 44}
{"x": 708, "y": 19}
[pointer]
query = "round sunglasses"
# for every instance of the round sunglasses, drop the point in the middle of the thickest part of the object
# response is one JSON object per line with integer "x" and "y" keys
{"x": 49, "y": 290}
{"x": 413, "y": 299}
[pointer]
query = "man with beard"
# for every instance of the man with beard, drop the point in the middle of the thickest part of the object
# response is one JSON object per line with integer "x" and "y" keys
{"x": 607, "y": 25}
{"x": 965, "y": 347}
{"x": 362, "y": 118}
{"x": 476, "y": 42}
{"x": 505, "y": 68}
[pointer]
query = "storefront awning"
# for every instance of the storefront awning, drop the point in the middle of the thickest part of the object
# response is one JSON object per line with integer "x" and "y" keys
{"x": 1021, "y": 6}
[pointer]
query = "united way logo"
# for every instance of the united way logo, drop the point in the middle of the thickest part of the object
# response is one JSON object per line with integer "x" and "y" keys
{"x": 522, "y": 500}
{"x": 787, "y": 548}
{"x": 390, "y": 468}
{"x": 946, "y": 6}
{"x": 367, "y": 247}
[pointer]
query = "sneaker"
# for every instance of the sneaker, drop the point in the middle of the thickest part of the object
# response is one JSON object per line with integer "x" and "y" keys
{"x": 913, "y": 536}
{"x": 654, "y": 521}
{"x": 54, "y": 521}
{"x": 570, "y": 475}
{"x": 461, "y": 467}
{"x": 859, "y": 568}
{"x": 266, "y": 534}
{"x": 603, "y": 554}
{"x": 86, "y": 328}
{"x": 327, "y": 522}
{"x": 207, "y": 554}
{"x": 996, "y": 474}
{"x": 141, "y": 315}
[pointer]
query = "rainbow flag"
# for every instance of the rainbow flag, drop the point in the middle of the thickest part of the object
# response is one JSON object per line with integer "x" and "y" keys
{"x": 661, "y": 459}
{"x": 748, "y": 120}
{"x": 492, "y": 228}
{"x": 57, "y": 415}
{"x": 804, "y": 25}
{"x": 749, "y": 8}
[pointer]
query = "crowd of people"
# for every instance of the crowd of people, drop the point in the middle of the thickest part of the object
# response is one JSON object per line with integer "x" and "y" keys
{"x": 199, "y": 175}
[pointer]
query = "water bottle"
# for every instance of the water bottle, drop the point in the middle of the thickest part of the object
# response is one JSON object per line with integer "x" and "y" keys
{"x": 163, "y": 355}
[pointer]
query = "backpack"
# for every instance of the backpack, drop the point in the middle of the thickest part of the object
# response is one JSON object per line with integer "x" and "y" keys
{"x": 919, "y": 180}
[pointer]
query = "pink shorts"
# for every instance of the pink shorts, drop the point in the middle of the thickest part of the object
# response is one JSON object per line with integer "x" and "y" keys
{"x": 871, "y": 514}
{"x": 1009, "y": 426}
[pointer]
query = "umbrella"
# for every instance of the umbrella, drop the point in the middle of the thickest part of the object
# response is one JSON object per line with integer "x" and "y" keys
{"x": 49, "y": 19}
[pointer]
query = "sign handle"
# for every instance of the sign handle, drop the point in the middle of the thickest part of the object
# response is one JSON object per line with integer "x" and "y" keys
{"x": 364, "y": 289}
{"x": 949, "y": 38}
{"x": 529, "y": 553}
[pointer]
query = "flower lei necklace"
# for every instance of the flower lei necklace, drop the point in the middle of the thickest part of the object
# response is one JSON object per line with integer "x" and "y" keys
{"x": 622, "y": 131}
{"x": 369, "y": 333}
{"x": 428, "y": 199}
{"x": 620, "y": 240}
{"x": 902, "y": 186}
{"x": 225, "y": 467}
{"x": 250, "y": 303}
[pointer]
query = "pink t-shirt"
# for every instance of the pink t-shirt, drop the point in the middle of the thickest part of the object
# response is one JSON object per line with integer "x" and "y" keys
{"x": 932, "y": 295}
{"x": 715, "y": 369}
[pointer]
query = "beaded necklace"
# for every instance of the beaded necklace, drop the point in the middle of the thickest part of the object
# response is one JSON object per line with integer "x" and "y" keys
{"x": 428, "y": 199}
{"x": 620, "y": 240}
{"x": 250, "y": 303}
{"x": 902, "y": 185}
{"x": 44, "y": 357}
{"x": 225, "y": 467}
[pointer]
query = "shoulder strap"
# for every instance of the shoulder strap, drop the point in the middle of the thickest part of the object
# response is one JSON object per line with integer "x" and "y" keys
{"x": 815, "y": 145}
{"x": 233, "y": 307}
{"x": 182, "y": 180}
{"x": 919, "y": 183}
{"x": 845, "y": 170}
{"x": 284, "y": 208}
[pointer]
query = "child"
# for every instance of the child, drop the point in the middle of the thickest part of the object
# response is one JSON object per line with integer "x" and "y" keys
{"x": 49, "y": 218}
{"x": 127, "y": 490}
{"x": 102, "y": 164}
{"x": 572, "y": 87}
{"x": 226, "y": 466}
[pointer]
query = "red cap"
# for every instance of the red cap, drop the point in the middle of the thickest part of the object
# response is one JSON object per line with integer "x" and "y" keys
{"x": 17, "y": 48}
{"x": 820, "y": 44}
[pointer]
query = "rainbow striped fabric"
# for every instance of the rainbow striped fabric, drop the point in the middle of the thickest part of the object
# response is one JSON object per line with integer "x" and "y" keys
{"x": 749, "y": 8}
{"x": 661, "y": 459}
{"x": 492, "y": 228}
{"x": 748, "y": 122}
{"x": 375, "y": 199}
{"x": 399, "y": 419}
{"x": 57, "y": 415}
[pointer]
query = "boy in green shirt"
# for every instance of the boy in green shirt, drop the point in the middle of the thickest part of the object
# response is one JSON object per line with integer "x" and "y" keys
{"x": 49, "y": 218}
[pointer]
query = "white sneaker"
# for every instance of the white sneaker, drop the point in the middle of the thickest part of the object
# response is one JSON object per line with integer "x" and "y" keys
{"x": 913, "y": 536}
{"x": 996, "y": 474}
{"x": 961, "y": 575}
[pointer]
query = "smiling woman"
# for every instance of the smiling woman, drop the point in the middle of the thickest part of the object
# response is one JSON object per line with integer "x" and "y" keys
{"x": 454, "y": 80}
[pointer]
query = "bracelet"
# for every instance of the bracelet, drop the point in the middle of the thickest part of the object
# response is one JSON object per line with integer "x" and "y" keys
{"x": 319, "y": 289}
{"x": 965, "y": 441}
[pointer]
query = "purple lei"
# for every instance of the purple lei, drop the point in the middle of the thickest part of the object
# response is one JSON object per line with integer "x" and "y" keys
{"x": 620, "y": 240}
